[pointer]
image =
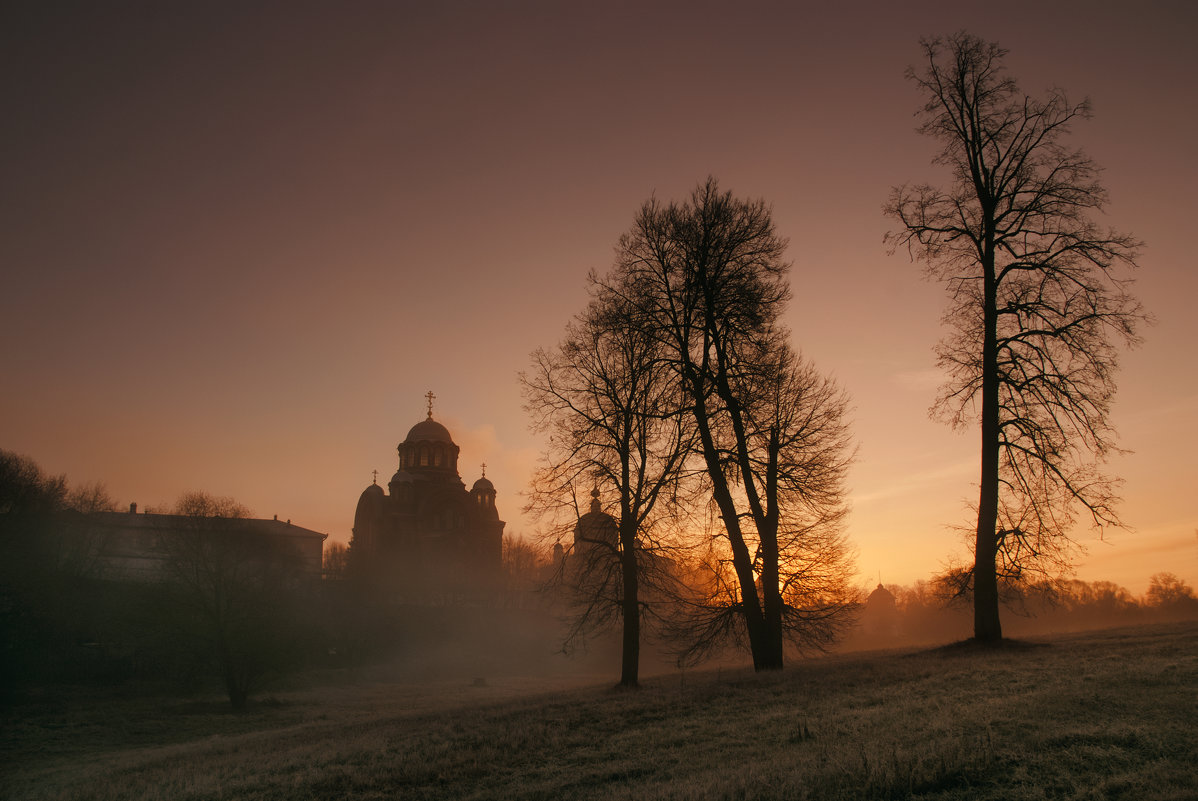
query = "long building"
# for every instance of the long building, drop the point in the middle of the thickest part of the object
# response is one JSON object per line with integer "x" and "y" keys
{"x": 149, "y": 546}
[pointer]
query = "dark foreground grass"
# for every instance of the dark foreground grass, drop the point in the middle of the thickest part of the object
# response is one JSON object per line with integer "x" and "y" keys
{"x": 1092, "y": 716}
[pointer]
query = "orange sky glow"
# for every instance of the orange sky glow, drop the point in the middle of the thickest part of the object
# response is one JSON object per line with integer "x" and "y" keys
{"x": 239, "y": 244}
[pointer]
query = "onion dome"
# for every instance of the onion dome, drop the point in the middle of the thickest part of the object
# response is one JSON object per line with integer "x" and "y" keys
{"x": 429, "y": 430}
{"x": 367, "y": 518}
{"x": 596, "y": 525}
{"x": 429, "y": 450}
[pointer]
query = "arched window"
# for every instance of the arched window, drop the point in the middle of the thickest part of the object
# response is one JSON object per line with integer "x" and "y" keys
{"x": 437, "y": 458}
{"x": 424, "y": 457}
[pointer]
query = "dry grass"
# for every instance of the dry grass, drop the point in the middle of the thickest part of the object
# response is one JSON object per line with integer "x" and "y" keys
{"x": 1091, "y": 716}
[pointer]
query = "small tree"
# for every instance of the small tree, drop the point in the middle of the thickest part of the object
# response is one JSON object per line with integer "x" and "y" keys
{"x": 234, "y": 590}
{"x": 1037, "y": 305}
{"x": 335, "y": 561}
{"x": 90, "y": 498}
{"x": 1171, "y": 596}
{"x": 523, "y": 567}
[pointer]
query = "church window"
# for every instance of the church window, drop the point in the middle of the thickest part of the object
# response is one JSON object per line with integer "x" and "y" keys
{"x": 437, "y": 457}
{"x": 424, "y": 457}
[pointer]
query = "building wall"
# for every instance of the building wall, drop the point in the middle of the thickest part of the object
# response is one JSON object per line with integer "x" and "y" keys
{"x": 139, "y": 546}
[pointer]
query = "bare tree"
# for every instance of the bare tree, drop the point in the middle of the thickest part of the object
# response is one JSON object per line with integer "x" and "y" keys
{"x": 90, "y": 498}
{"x": 234, "y": 588}
{"x": 1171, "y": 595}
{"x": 1037, "y": 305}
{"x": 51, "y": 560}
{"x": 335, "y": 561}
{"x": 707, "y": 279}
{"x": 609, "y": 403}
{"x": 524, "y": 566}
{"x": 60, "y": 534}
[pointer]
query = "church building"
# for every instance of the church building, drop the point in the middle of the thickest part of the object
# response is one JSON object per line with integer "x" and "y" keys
{"x": 426, "y": 538}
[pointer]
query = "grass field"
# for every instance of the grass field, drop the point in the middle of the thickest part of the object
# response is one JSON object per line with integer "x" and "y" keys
{"x": 1100, "y": 715}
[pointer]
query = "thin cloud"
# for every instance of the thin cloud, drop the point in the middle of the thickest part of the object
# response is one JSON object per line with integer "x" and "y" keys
{"x": 928, "y": 378}
{"x": 914, "y": 483}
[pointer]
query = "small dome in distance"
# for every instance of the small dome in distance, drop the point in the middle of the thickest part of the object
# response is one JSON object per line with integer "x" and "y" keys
{"x": 484, "y": 484}
{"x": 881, "y": 598}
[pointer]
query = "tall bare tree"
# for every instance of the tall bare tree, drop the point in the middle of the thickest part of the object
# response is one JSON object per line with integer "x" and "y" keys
{"x": 708, "y": 279}
{"x": 609, "y": 403}
{"x": 1038, "y": 303}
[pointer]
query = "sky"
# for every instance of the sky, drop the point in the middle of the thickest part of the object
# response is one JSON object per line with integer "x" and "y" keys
{"x": 239, "y": 242}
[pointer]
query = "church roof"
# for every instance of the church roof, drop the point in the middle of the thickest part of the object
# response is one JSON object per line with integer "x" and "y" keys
{"x": 596, "y": 524}
{"x": 429, "y": 430}
{"x": 402, "y": 477}
{"x": 881, "y": 597}
{"x": 484, "y": 483}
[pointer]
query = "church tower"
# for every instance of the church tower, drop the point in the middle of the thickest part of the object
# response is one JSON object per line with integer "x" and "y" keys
{"x": 427, "y": 539}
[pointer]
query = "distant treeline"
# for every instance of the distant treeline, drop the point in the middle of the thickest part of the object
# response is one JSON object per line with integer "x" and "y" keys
{"x": 933, "y": 612}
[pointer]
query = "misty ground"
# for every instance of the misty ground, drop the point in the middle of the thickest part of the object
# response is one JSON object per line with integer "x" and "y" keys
{"x": 1095, "y": 715}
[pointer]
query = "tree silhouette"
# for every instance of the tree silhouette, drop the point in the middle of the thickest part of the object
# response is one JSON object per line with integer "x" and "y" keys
{"x": 1170, "y": 594}
{"x": 233, "y": 591}
{"x": 1037, "y": 305}
{"x": 609, "y": 402}
{"x": 707, "y": 279}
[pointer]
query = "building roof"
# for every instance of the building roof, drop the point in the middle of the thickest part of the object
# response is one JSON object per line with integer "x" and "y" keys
{"x": 159, "y": 522}
{"x": 596, "y": 525}
{"x": 429, "y": 430}
{"x": 881, "y": 597}
{"x": 401, "y": 477}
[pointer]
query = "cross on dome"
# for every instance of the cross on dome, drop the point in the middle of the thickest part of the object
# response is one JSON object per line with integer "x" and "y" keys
{"x": 430, "y": 396}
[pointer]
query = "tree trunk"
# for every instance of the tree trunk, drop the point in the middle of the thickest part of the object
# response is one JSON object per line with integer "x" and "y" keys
{"x": 986, "y": 625}
{"x": 750, "y": 601}
{"x": 238, "y": 697}
{"x": 631, "y": 651}
{"x": 235, "y": 684}
{"x": 742, "y": 560}
{"x": 771, "y": 600}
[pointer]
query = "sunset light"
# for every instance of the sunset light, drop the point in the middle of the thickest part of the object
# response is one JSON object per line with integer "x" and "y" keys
{"x": 301, "y": 262}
